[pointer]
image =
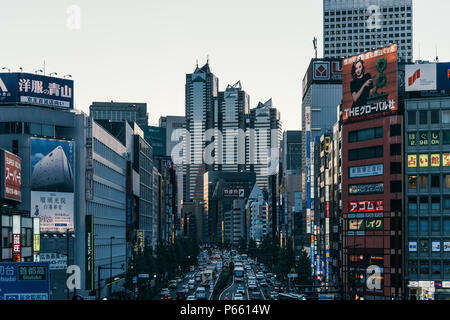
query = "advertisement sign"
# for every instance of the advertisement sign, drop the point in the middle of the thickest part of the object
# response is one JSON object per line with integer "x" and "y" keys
{"x": 12, "y": 177}
{"x": 370, "y": 84}
{"x": 366, "y": 171}
{"x": 89, "y": 252}
{"x": 56, "y": 261}
{"x": 443, "y": 76}
{"x": 423, "y": 160}
{"x": 366, "y": 206}
{"x": 420, "y": 77}
{"x": 366, "y": 225}
{"x": 234, "y": 193}
{"x": 435, "y": 160}
{"x": 435, "y": 138}
{"x": 26, "y": 88}
{"x": 321, "y": 70}
{"x": 412, "y": 161}
{"x": 24, "y": 281}
{"x": 436, "y": 246}
{"x": 361, "y": 189}
{"x": 52, "y": 184}
{"x": 412, "y": 139}
{"x": 413, "y": 246}
{"x": 446, "y": 246}
{"x": 446, "y": 159}
{"x": 308, "y": 170}
{"x": 16, "y": 243}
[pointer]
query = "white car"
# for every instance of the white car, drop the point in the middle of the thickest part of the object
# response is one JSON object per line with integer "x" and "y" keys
{"x": 240, "y": 290}
{"x": 238, "y": 296}
{"x": 191, "y": 298}
{"x": 200, "y": 293}
{"x": 191, "y": 284}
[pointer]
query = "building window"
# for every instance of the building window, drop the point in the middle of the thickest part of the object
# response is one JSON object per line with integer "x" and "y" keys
{"x": 412, "y": 225}
{"x": 424, "y": 203}
{"x": 436, "y": 225}
{"x": 412, "y": 182}
{"x": 423, "y": 182}
{"x": 396, "y": 186}
{"x": 396, "y": 168}
{"x": 435, "y": 267}
{"x": 423, "y": 117}
{"x": 365, "y": 135}
{"x": 412, "y": 118}
{"x": 424, "y": 225}
{"x": 447, "y": 267}
{"x": 412, "y": 203}
{"x": 446, "y": 203}
{"x": 396, "y": 130}
{"x": 446, "y": 137}
{"x": 434, "y": 116}
{"x": 396, "y": 149}
{"x": 365, "y": 153}
{"x": 446, "y": 225}
{"x": 435, "y": 203}
{"x": 412, "y": 267}
{"x": 446, "y": 116}
{"x": 424, "y": 267}
{"x": 424, "y": 246}
{"x": 435, "y": 182}
{"x": 447, "y": 181}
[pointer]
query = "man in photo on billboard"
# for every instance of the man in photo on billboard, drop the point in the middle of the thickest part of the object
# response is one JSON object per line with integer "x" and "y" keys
{"x": 362, "y": 85}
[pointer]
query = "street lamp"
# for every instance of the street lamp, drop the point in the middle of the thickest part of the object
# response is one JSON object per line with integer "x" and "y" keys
{"x": 67, "y": 75}
{"x": 5, "y": 68}
{"x": 53, "y": 73}
{"x": 110, "y": 265}
{"x": 40, "y": 70}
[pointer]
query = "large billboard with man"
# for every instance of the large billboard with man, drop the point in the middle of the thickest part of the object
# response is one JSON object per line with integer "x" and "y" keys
{"x": 370, "y": 84}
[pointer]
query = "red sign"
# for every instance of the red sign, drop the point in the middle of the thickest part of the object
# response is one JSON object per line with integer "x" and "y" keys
{"x": 12, "y": 177}
{"x": 16, "y": 243}
{"x": 366, "y": 206}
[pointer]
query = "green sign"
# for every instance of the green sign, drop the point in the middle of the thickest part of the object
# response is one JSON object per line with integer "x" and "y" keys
{"x": 374, "y": 224}
{"x": 32, "y": 273}
{"x": 423, "y": 139}
{"x": 412, "y": 139}
{"x": 435, "y": 138}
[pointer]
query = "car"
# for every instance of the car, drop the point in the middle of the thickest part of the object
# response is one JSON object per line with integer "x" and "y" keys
{"x": 252, "y": 288}
{"x": 277, "y": 286}
{"x": 172, "y": 284}
{"x": 191, "y": 268}
{"x": 240, "y": 290}
{"x": 191, "y": 284}
{"x": 255, "y": 295}
{"x": 179, "y": 279}
{"x": 191, "y": 297}
{"x": 238, "y": 296}
{"x": 274, "y": 295}
{"x": 182, "y": 294}
{"x": 165, "y": 294}
{"x": 260, "y": 276}
{"x": 200, "y": 293}
{"x": 198, "y": 278}
{"x": 269, "y": 275}
{"x": 263, "y": 283}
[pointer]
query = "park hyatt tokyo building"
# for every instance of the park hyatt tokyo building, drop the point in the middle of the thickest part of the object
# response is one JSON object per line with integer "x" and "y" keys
{"x": 372, "y": 177}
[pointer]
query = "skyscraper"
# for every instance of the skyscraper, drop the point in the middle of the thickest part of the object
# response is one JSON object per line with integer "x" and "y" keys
{"x": 201, "y": 90}
{"x": 233, "y": 105}
{"x": 351, "y": 27}
{"x": 118, "y": 111}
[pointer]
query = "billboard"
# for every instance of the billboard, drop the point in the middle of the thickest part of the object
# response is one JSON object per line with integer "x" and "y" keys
{"x": 52, "y": 184}
{"x": 420, "y": 77}
{"x": 11, "y": 177}
{"x": 366, "y": 206}
{"x": 366, "y": 171}
{"x": 443, "y": 76}
{"x": 33, "y": 89}
{"x": 361, "y": 189}
{"x": 89, "y": 252}
{"x": 370, "y": 84}
{"x": 24, "y": 281}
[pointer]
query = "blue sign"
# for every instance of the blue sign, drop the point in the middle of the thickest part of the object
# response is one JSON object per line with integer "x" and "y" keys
{"x": 443, "y": 76}
{"x": 33, "y": 89}
{"x": 24, "y": 281}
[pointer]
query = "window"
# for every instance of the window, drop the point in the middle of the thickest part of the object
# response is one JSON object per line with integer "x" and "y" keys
{"x": 412, "y": 203}
{"x": 434, "y": 116}
{"x": 396, "y": 205}
{"x": 396, "y": 130}
{"x": 424, "y": 267}
{"x": 423, "y": 182}
{"x": 396, "y": 168}
{"x": 412, "y": 225}
{"x": 447, "y": 181}
{"x": 396, "y": 186}
{"x": 424, "y": 225}
{"x": 446, "y": 116}
{"x": 436, "y": 225}
{"x": 447, "y": 267}
{"x": 423, "y": 117}
{"x": 435, "y": 203}
{"x": 412, "y": 118}
{"x": 396, "y": 149}
{"x": 423, "y": 203}
{"x": 412, "y": 182}
{"x": 445, "y": 137}
{"x": 412, "y": 267}
{"x": 365, "y": 153}
{"x": 424, "y": 246}
{"x": 435, "y": 182}
{"x": 365, "y": 135}
{"x": 435, "y": 267}
{"x": 447, "y": 203}
{"x": 446, "y": 225}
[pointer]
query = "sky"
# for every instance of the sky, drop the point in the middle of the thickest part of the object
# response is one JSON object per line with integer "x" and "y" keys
{"x": 141, "y": 50}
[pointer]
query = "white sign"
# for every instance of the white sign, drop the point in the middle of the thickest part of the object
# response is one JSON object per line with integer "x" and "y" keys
{"x": 321, "y": 70}
{"x": 446, "y": 246}
{"x": 55, "y": 210}
{"x": 436, "y": 246}
{"x": 366, "y": 171}
{"x": 56, "y": 261}
{"x": 421, "y": 77}
{"x": 413, "y": 246}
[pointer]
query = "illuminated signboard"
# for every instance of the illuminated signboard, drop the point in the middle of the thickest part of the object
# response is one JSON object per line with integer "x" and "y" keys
{"x": 446, "y": 160}
{"x": 435, "y": 160}
{"x": 366, "y": 206}
{"x": 12, "y": 177}
{"x": 234, "y": 193}
{"x": 423, "y": 139}
{"x": 412, "y": 139}
{"x": 420, "y": 77}
{"x": 16, "y": 243}
{"x": 25, "y": 88}
{"x": 369, "y": 86}
{"x": 413, "y": 246}
{"x": 366, "y": 171}
{"x": 366, "y": 225}
{"x": 435, "y": 138}
{"x": 360, "y": 189}
{"x": 412, "y": 161}
{"x": 443, "y": 76}
{"x": 423, "y": 160}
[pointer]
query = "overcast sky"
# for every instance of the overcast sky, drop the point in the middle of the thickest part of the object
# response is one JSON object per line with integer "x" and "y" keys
{"x": 140, "y": 50}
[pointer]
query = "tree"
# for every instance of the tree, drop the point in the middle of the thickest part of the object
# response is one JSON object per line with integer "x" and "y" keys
{"x": 304, "y": 269}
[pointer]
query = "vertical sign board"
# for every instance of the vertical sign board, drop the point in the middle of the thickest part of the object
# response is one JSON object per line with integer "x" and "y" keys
{"x": 52, "y": 184}
{"x": 24, "y": 281}
{"x": 11, "y": 177}
{"x": 89, "y": 252}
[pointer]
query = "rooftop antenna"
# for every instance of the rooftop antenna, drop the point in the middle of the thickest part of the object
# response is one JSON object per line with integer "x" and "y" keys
{"x": 207, "y": 59}
{"x": 437, "y": 57}
{"x": 197, "y": 63}
{"x": 315, "y": 46}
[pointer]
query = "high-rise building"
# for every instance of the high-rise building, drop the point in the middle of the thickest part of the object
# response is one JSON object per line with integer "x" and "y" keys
{"x": 201, "y": 90}
{"x": 264, "y": 136}
{"x": 232, "y": 107}
{"x": 119, "y": 111}
{"x": 351, "y": 27}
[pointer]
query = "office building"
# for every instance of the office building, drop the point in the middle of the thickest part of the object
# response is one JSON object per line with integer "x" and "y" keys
{"x": 120, "y": 111}
{"x": 352, "y": 27}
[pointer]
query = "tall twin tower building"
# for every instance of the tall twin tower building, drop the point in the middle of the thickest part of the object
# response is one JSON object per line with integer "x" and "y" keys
{"x": 222, "y": 133}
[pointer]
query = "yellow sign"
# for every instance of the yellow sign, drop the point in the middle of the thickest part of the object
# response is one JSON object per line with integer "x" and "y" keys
{"x": 412, "y": 161}
{"x": 446, "y": 160}
{"x": 423, "y": 160}
{"x": 435, "y": 160}
{"x": 37, "y": 243}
